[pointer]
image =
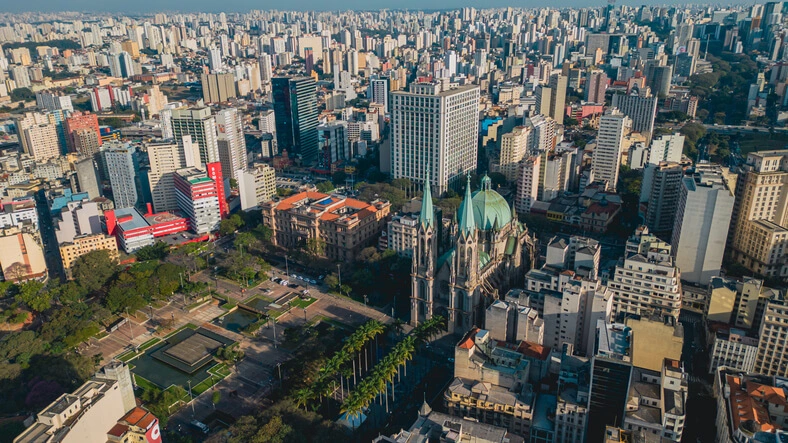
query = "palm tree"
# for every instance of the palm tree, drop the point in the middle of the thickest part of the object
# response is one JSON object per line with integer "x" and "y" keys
{"x": 303, "y": 396}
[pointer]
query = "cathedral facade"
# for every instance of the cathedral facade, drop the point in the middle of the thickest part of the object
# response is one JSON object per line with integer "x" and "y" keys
{"x": 489, "y": 253}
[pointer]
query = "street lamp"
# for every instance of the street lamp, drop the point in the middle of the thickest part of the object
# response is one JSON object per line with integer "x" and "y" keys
{"x": 279, "y": 367}
{"x": 339, "y": 275}
{"x": 305, "y": 315}
{"x": 365, "y": 299}
{"x": 190, "y": 397}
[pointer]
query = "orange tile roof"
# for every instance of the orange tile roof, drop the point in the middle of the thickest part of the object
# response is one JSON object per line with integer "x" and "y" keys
{"x": 288, "y": 202}
{"x": 744, "y": 405}
{"x": 467, "y": 341}
{"x": 134, "y": 416}
{"x": 533, "y": 350}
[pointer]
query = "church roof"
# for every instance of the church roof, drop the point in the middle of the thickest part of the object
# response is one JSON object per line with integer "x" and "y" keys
{"x": 490, "y": 210}
{"x": 427, "y": 215}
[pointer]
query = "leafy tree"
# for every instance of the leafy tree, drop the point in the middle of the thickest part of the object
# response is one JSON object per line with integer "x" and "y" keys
{"x": 244, "y": 240}
{"x": 263, "y": 233}
{"x": 33, "y": 295}
{"x": 22, "y": 94}
{"x": 94, "y": 269}
{"x": 325, "y": 187}
{"x": 231, "y": 224}
{"x": 233, "y": 183}
{"x": 315, "y": 246}
{"x": 156, "y": 251}
{"x": 338, "y": 178}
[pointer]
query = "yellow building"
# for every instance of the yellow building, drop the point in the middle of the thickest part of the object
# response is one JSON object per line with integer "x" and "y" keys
{"x": 71, "y": 251}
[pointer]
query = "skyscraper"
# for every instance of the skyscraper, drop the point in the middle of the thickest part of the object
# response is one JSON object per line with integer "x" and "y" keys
{"x": 218, "y": 87}
{"x": 87, "y": 177}
{"x": 701, "y": 225}
{"x": 514, "y": 146}
{"x": 641, "y": 108}
{"x": 613, "y": 126}
{"x": 666, "y": 148}
{"x": 611, "y": 373}
{"x": 120, "y": 165}
{"x": 558, "y": 85}
{"x": 201, "y": 126}
{"x": 295, "y": 110}
{"x": 596, "y": 85}
{"x": 435, "y": 129}
{"x": 661, "y": 188}
{"x": 379, "y": 92}
{"x": 231, "y": 143}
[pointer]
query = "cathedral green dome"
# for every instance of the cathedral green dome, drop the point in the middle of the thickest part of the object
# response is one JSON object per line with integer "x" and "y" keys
{"x": 488, "y": 206}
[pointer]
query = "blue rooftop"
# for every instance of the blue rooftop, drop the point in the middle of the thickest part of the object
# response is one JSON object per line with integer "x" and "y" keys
{"x": 61, "y": 201}
{"x": 325, "y": 201}
{"x": 545, "y": 406}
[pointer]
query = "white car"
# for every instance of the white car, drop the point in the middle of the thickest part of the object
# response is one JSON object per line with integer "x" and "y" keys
{"x": 285, "y": 282}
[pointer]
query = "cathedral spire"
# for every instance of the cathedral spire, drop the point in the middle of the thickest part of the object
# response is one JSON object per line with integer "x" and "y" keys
{"x": 467, "y": 222}
{"x": 427, "y": 215}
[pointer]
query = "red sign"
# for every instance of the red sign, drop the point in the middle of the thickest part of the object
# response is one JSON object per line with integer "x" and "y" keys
{"x": 153, "y": 435}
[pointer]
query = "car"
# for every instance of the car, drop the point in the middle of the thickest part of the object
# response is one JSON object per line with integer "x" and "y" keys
{"x": 293, "y": 276}
{"x": 277, "y": 280}
{"x": 312, "y": 282}
{"x": 201, "y": 426}
{"x": 293, "y": 286}
{"x": 284, "y": 282}
{"x": 321, "y": 277}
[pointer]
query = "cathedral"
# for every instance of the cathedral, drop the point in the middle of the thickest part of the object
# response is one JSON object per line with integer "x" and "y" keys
{"x": 489, "y": 253}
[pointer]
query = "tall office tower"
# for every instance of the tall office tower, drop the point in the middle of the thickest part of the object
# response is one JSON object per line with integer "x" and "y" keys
{"x": 379, "y": 92}
{"x": 647, "y": 256}
{"x": 772, "y": 356}
{"x": 295, "y": 111}
{"x": 218, "y": 87}
{"x": 514, "y": 146}
{"x": 87, "y": 177}
{"x": 659, "y": 78}
{"x": 760, "y": 214}
{"x": 121, "y": 65}
{"x": 434, "y": 134}
{"x": 214, "y": 59}
{"x": 200, "y": 197}
{"x": 21, "y": 76}
{"x": 666, "y": 148}
{"x": 42, "y": 142}
{"x": 352, "y": 61}
{"x": 231, "y": 142}
{"x": 542, "y": 137}
{"x": 544, "y": 95}
{"x": 596, "y": 85}
{"x": 334, "y": 144}
{"x": 450, "y": 62}
{"x": 86, "y": 142}
{"x": 558, "y": 85}
{"x": 642, "y": 109}
{"x": 661, "y": 188}
{"x": 266, "y": 70}
{"x": 201, "y": 126}
{"x": 78, "y": 121}
{"x": 701, "y": 226}
{"x": 256, "y": 185}
{"x": 165, "y": 117}
{"x": 527, "y": 183}
{"x": 120, "y": 166}
{"x": 611, "y": 374}
{"x": 267, "y": 123}
{"x": 165, "y": 159}
{"x": 613, "y": 127}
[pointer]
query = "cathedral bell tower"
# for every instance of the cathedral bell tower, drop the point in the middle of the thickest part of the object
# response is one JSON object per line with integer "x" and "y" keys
{"x": 424, "y": 261}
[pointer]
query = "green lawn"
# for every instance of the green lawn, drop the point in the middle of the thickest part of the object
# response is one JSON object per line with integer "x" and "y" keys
{"x": 143, "y": 383}
{"x": 218, "y": 373}
{"x": 149, "y": 343}
{"x": 301, "y": 304}
{"x": 127, "y": 356}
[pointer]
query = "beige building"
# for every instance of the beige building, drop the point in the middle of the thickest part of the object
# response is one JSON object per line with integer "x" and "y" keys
{"x": 256, "y": 185}
{"x": 21, "y": 257}
{"x": 647, "y": 283}
{"x": 42, "y": 142}
{"x": 514, "y": 146}
{"x": 81, "y": 245}
{"x": 338, "y": 227}
{"x": 166, "y": 158}
{"x": 218, "y": 87}
{"x": 86, "y": 141}
{"x": 760, "y": 214}
{"x": 772, "y": 357}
